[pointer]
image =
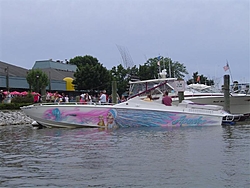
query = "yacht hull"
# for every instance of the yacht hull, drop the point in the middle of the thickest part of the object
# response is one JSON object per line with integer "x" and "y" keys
{"x": 130, "y": 114}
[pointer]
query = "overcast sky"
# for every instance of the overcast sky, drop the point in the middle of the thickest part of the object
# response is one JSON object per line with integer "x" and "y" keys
{"x": 201, "y": 34}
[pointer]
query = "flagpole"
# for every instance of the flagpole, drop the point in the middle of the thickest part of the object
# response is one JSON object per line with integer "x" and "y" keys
{"x": 230, "y": 72}
{"x": 169, "y": 68}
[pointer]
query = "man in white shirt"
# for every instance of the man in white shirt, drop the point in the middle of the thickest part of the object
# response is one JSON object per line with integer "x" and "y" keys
{"x": 83, "y": 95}
{"x": 103, "y": 97}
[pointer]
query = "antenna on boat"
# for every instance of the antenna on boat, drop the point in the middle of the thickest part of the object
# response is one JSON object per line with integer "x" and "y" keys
{"x": 169, "y": 67}
{"x": 229, "y": 71}
{"x": 126, "y": 57}
{"x": 159, "y": 64}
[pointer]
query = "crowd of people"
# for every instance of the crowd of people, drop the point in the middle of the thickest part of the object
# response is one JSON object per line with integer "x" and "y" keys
{"x": 5, "y": 98}
{"x": 84, "y": 98}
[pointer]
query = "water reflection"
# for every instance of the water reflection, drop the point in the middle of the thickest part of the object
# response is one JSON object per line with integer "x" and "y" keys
{"x": 236, "y": 155}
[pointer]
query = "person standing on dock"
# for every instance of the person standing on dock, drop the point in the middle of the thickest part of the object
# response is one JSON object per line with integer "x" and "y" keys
{"x": 1, "y": 96}
{"x": 103, "y": 98}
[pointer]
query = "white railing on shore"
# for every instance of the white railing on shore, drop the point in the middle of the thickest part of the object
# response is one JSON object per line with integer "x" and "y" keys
{"x": 75, "y": 103}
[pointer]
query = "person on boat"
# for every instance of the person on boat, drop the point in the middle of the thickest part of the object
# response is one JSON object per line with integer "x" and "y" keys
{"x": 166, "y": 99}
{"x": 123, "y": 99}
{"x": 148, "y": 98}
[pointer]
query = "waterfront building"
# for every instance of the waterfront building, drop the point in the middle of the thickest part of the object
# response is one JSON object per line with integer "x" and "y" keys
{"x": 60, "y": 74}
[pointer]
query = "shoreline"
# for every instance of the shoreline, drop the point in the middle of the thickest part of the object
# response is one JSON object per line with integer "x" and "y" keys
{"x": 14, "y": 117}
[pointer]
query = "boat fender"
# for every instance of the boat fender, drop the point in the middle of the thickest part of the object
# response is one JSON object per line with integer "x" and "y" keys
{"x": 34, "y": 123}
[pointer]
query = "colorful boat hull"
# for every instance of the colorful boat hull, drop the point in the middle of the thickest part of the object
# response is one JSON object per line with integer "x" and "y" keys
{"x": 135, "y": 115}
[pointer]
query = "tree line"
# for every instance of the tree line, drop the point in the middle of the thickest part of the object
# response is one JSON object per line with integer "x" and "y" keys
{"x": 91, "y": 75}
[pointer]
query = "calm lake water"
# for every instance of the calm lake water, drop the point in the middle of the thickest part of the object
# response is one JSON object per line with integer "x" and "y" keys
{"x": 127, "y": 157}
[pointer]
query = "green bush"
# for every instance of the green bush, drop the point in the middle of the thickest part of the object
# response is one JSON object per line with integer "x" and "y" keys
{"x": 12, "y": 106}
{"x": 17, "y": 102}
{"x": 26, "y": 99}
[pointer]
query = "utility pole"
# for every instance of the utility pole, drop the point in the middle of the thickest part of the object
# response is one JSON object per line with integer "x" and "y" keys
{"x": 7, "y": 78}
{"x": 50, "y": 81}
{"x": 37, "y": 81}
{"x": 169, "y": 67}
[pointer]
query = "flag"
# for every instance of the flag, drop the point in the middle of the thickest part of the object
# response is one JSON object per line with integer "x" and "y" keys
{"x": 226, "y": 67}
{"x": 159, "y": 58}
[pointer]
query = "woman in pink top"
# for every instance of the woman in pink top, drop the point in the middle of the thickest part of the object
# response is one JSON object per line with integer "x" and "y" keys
{"x": 166, "y": 99}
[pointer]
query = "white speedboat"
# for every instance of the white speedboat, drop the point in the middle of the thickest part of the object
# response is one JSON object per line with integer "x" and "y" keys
{"x": 132, "y": 113}
{"x": 203, "y": 94}
{"x": 197, "y": 93}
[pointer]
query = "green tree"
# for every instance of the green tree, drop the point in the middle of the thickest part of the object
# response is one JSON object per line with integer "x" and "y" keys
{"x": 90, "y": 74}
{"x": 153, "y": 66}
{"x": 83, "y": 60}
{"x": 37, "y": 80}
{"x": 120, "y": 74}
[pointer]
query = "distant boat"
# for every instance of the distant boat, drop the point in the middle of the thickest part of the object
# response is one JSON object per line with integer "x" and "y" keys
{"x": 203, "y": 94}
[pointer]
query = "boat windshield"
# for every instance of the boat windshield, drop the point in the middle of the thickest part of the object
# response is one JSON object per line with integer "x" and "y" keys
{"x": 154, "y": 87}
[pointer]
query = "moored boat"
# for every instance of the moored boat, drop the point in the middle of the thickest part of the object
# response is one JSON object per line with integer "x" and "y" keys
{"x": 197, "y": 93}
{"x": 203, "y": 94}
{"x": 132, "y": 113}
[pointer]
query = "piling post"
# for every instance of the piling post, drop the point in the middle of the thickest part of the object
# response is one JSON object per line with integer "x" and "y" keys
{"x": 181, "y": 96}
{"x": 227, "y": 93}
{"x": 180, "y": 87}
{"x": 114, "y": 92}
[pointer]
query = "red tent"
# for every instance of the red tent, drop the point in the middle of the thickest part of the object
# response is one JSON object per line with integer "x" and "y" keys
{"x": 15, "y": 93}
{"x": 24, "y": 93}
{"x": 35, "y": 93}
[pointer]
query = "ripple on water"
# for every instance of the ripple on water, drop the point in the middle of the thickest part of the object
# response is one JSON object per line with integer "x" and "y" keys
{"x": 129, "y": 157}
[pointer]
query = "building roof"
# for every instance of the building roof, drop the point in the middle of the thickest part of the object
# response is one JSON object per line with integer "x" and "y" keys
{"x": 57, "y": 65}
{"x": 54, "y": 74}
{"x": 57, "y": 73}
{"x": 13, "y": 70}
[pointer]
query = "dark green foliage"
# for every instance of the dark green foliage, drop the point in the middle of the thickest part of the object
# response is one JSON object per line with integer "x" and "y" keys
{"x": 200, "y": 79}
{"x": 26, "y": 99}
{"x": 12, "y": 106}
{"x": 121, "y": 76}
{"x": 91, "y": 75}
{"x": 17, "y": 102}
{"x": 153, "y": 66}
